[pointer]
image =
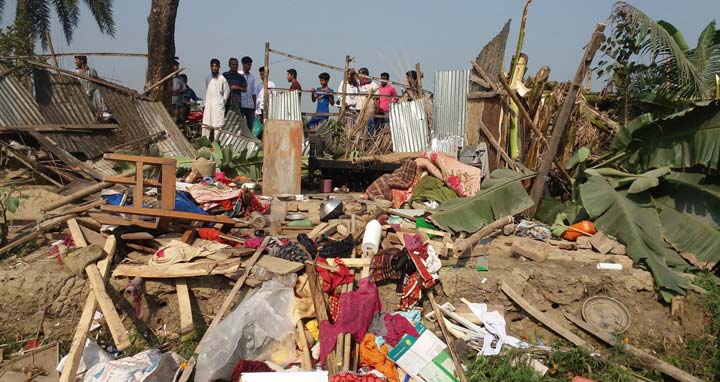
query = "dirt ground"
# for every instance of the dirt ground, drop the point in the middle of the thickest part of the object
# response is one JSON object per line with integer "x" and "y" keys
{"x": 36, "y": 282}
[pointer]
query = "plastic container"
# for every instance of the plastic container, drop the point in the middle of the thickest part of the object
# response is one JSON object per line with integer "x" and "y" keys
{"x": 326, "y": 186}
{"x": 371, "y": 239}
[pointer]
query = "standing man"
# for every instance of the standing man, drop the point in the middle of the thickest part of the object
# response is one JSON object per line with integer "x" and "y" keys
{"x": 216, "y": 96}
{"x": 260, "y": 91}
{"x": 324, "y": 98}
{"x": 367, "y": 86}
{"x": 248, "y": 99}
{"x": 96, "y": 101}
{"x": 178, "y": 101}
{"x": 294, "y": 84}
{"x": 351, "y": 89}
{"x": 388, "y": 95}
{"x": 237, "y": 84}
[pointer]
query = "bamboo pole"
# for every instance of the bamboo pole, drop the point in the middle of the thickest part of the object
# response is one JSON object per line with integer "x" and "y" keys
{"x": 52, "y": 50}
{"x": 563, "y": 118}
{"x": 343, "y": 102}
{"x": 169, "y": 76}
{"x": 309, "y": 61}
{"x": 110, "y": 54}
{"x": 266, "y": 96}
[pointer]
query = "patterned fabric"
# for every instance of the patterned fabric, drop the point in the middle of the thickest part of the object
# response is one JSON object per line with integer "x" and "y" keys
{"x": 400, "y": 179}
{"x": 353, "y": 377}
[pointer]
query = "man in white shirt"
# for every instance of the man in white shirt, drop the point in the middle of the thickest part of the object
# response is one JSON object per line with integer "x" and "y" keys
{"x": 351, "y": 89}
{"x": 216, "y": 96}
{"x": 260, "y": 91}
{"x": 367, "y": 86}
{"x": 248, "y": 100}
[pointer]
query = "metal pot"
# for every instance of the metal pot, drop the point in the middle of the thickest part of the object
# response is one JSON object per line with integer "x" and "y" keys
{"x": 333, "y": 209}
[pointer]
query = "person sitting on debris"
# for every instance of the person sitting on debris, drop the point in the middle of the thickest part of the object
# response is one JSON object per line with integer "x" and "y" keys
{"x": 351, "y": 89}
{"x": 388, "y": 95}
{"x": 237, "y": 84}
{"x": 324, "y": 97}
{"x": 216, "y": 96}
{"x": 249, "y": 97}
{"x": 294, "y": 84}
{"x": 178, "y": 101}
{"x": 367, "y": 86}
{"x": 260, "y": 86}
{"x": 96, "y": 101}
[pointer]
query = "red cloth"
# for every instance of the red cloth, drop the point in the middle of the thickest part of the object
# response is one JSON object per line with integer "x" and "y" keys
{"x": 245, "y": 366}
{"x": 357, "y": 309}
{"x": 253, "y": 242}
{"x": 398, "y": 326}
{"x": 332, "y": 280}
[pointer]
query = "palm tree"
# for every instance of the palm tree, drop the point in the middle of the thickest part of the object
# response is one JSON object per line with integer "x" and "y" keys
{"x": 37, "y": 14}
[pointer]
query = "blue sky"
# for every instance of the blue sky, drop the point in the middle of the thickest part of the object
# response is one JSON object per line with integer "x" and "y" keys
{"x": 382, "y": 35}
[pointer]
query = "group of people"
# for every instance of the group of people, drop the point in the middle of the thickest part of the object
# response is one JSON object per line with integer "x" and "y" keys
{"x": 238, "y": 89}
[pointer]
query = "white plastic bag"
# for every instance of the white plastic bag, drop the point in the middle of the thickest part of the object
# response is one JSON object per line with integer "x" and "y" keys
{"x": 260, "y": 328}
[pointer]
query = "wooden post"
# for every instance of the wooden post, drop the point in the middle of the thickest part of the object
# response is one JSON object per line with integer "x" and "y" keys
{"x": 169, "y": 76}
{"x": 52, "y": 50}
{"x": 418, "y": 83}
{"x": 446, "y": 334}
{"x": 266, "y": 96}
{"x": 343, "y": 103}
{"x": 563, "y": 118}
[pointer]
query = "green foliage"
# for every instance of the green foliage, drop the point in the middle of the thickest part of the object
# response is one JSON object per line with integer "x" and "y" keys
{"x": 15, "y": 43}
{"x": 38, "y": 16}
{"x": 509, "y": 366}
{"x": 9, "y": 203}
{"x": 501, "y": 194}
{"x": 237, "y": 163}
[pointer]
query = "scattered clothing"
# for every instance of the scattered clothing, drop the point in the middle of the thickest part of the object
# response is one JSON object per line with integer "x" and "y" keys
{"x": 397, "y": 326}
{"x": 332, "y": 280}
{"x": 77, "y": 260}
{"x": 460, "y": 177}
{"x": 354, "y": 377}
{"x": 332, "y": 249}
{"x": 209, "y": 197}
{"x": 494, "y": 324}
{"x": 432, "y": 188}
{"x": 249, "y": 366}
{"x": 357, "y": 309}
{"x": 178, "y": 252}
{"x": 532, "y": 229}
{"x": 377, "y": 358}
{"x": 400, "y": 179}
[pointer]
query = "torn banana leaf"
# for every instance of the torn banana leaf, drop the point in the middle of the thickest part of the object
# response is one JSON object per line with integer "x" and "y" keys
{"x": 689, "y": 208}
{"x": 502, "y": 194}
{"x": 633, "y": 219}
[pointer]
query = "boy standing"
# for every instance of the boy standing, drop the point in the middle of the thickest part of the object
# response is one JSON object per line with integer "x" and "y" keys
{"x": 324, "y": 97}
{"x": 294, "y": 84}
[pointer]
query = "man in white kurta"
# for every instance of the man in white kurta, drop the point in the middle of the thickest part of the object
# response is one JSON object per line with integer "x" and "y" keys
{"x": 216, "y": 96}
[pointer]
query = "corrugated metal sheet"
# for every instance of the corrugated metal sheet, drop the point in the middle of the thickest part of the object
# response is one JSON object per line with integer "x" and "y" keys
{"x": 236, "y": 134}
{"x": 17, "y": 106}
{"x": 450, "y": 103}
{"x": 61, "y": 99}
{"x": 138, "y": 118}
{"x": 408, "y": 126}
{"x": 448, "y": 145}
{"x": 285, "y": 106}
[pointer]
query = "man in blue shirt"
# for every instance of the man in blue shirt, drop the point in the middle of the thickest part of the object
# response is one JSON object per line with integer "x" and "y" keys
{"x": 237, "y": 83}
{"x": 324, "y": 98}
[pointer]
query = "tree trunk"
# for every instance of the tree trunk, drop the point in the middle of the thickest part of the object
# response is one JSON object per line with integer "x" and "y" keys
{"x": 161, "y": 47}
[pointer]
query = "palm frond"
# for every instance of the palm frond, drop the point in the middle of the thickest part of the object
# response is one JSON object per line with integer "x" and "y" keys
{"x": 102, "y": 11}
{"x": 659, "y": 43}
{"x": 38, "y": 13}
{"x": 2, "y": 8}
{"x": 706, "y": 55}
{"x": 69, "y": 14}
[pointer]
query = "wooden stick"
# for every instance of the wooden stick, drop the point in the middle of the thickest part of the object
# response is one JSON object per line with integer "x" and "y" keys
{"x": 117, "y": 87}
{"x": 225, "y": 305}
{"x": 540, "y": 316}
{"x": 76, "y": 54}
{"x": 497, "y": 146}
{"x": 645, "y": 359}
{"x": 44, "y": 227}
{"x": 562, "y": 119}
{"x": 266, "y": 96}
{"x": 320, "y": 312}
{"x": 183, "y": 294}
{"x": 169, "y": 76}
{"x": 453, "y": 353}
{"x": 50, "y": 47}
{"x": 463, "y": 245}
{"x": 305, "y": 358}
{"x": 112, "y": 318}
{"x": 69, "y": 371}
{"x": 343, "y": 102}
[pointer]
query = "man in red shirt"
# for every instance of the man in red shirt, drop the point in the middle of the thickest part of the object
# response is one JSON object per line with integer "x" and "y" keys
{"x": 388, "y": 95}
{"x": 294, "y": 84}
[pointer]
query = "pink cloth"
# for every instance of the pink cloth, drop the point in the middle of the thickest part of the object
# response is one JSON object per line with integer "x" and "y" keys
{"x": 357, "y": 309}
{"x": 384, "y": 103}
{"x": 207, "y": 197}
{"x": 398, "y": 326}
{"x": 461, "y": 178}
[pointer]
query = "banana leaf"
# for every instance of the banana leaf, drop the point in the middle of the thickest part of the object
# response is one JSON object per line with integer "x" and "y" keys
{"x": 689, "y": 211}
{"x": 681, "y": 140}
{"x": 502, "y": 194}
{"x": 633, "y": 219}
{"x": 638, "y": 182}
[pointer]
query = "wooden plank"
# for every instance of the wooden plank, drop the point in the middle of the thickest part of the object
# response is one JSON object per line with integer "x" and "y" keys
{"x": 282, "y": 146}
{"x": 186, "y": 319}
{"x": 65, "y": 156}
{"x": 139, "y": 158}
{"x": 276, "y": 265}
{"x": 131, "y": 181}
{"x": 159, "y": 213}
{"x": 112, "y": 318}
{"x": 540, "y": 316}
{"x": 644, "y": 358}
{"x": 117, "y": 220}
{"x": 69, "y": 371}
{"x": 305, "y": 358}
{"x": 76, "y": 233}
